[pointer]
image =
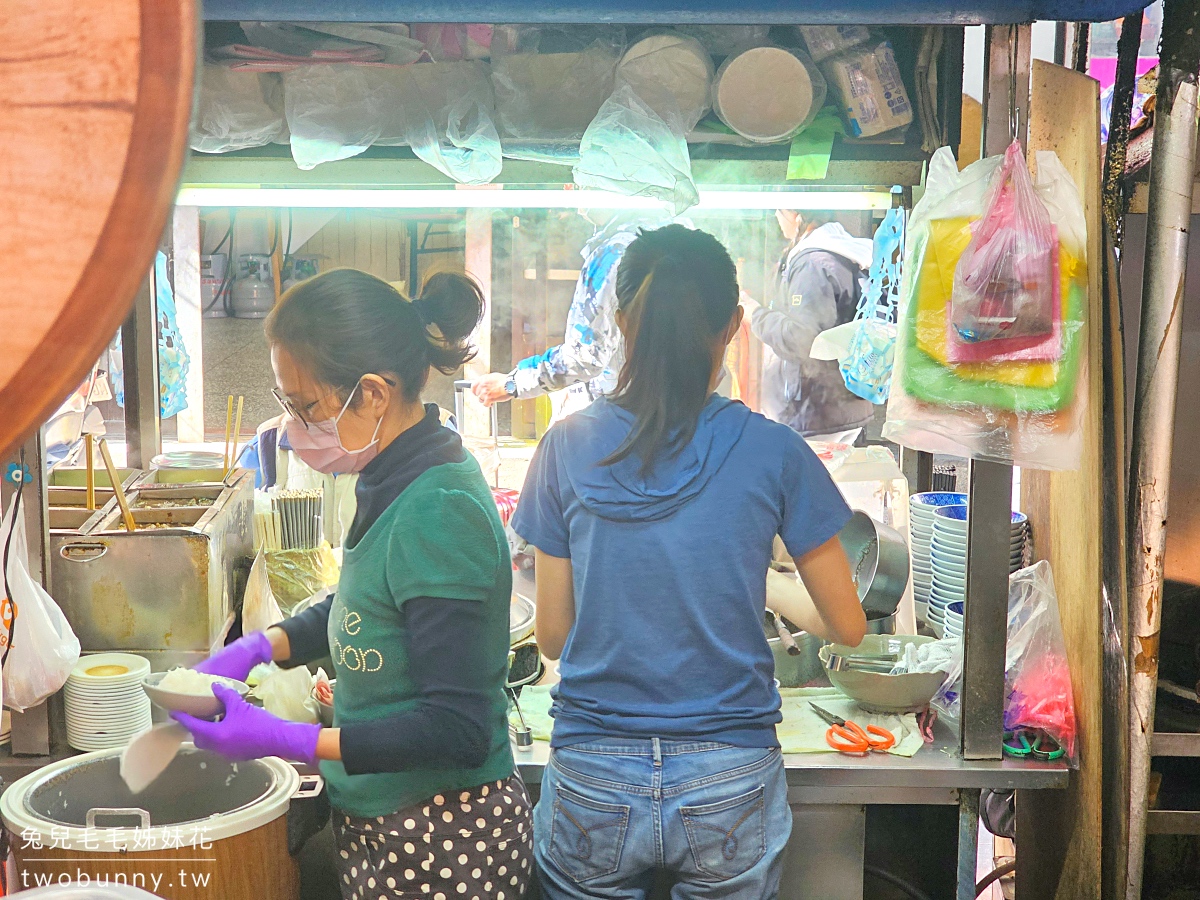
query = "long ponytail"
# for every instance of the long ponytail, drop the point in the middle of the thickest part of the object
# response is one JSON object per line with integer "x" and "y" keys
{"x": 678, "y": 290}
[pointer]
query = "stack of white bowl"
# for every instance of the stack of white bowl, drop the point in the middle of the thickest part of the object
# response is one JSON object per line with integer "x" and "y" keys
{"x": 921, "y": 508}
{"x": 105, "y": 703}
{"x": 953, "y": 625}
{"x": 948, "y": 560}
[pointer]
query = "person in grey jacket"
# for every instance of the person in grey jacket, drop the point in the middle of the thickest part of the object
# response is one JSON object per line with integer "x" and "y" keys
{"x": 820, "y": 277}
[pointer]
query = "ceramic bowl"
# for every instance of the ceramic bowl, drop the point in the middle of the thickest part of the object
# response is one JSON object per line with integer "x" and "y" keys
{"x": 202, "y": 706}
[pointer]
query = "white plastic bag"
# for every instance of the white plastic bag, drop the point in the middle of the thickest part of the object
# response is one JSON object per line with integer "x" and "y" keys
{"x": 287, "y": 693}
{"x": 236, "y": 110}
{"x": 259, "y": 608}
{"x": 40, "y": 649}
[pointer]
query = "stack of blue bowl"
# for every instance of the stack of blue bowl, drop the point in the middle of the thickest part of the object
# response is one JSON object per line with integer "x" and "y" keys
{"x": 921, "y": 508}
{"x": 948, "y": 562}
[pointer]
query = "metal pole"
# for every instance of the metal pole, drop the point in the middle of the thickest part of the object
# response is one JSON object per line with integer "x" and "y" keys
{"x": 1005, "y": 113}
{"x": 1172, "y": 172}
{"x": 968, "y": 840}
{"x": 139, "y": 356}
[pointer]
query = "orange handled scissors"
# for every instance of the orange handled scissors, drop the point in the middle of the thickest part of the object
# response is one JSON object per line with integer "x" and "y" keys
{"x": 849, "y": 737}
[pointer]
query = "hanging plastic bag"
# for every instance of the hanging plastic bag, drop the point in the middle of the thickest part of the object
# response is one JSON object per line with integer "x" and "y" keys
{"x": 630, "y": 149}
{"x": 1037, "y": 677}
{"x": 446, "y": 113}
{"x": 1004, "y": 282}
{"x": 334, "y": 111}
{"x": 1018, "y": 401}
{"x": 259, "y": 608}
{"x": 39, "y": 647}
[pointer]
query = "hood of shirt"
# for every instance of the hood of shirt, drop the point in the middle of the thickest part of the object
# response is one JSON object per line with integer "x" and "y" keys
{"x": 621, "y": 492}
{"x": 834, "y": 238}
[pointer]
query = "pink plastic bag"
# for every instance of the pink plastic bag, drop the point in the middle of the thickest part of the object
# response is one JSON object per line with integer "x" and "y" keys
{"x": 1036, "y": 348}
{"x": 1004, "y": 282}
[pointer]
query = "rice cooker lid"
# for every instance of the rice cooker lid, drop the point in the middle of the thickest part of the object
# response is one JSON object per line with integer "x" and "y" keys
{"x": 200, "y": 797}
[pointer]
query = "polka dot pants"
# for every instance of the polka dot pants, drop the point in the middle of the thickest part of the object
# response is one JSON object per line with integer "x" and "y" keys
{"x": 475, "y": 844}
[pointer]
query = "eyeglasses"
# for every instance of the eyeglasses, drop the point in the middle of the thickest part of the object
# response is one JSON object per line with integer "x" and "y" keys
{"x": 297, "y": 413}
{"x": 291, "y": 408}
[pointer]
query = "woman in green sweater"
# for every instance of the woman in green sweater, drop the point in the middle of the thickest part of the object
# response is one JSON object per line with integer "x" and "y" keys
{"x": 418, "y": 763}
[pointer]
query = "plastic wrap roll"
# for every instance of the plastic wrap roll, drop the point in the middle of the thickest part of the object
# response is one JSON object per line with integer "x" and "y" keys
{"x": 767, "y": 94}
{"x": 672, "y": 74}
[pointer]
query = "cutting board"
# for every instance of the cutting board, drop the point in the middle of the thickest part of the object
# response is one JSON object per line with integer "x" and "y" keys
{"x": 94, "y": 107}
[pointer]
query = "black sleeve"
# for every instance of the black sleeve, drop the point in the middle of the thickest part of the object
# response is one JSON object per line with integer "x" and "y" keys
{"x": 308, "y": 633}
{"x": 450, "y": 727}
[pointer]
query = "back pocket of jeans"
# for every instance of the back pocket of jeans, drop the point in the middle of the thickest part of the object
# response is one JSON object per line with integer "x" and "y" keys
{"x": 586, "y": 836}
{"x": 728, "y": 837}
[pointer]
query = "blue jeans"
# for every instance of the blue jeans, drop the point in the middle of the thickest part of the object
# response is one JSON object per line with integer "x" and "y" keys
{"x": 614, "y": 813}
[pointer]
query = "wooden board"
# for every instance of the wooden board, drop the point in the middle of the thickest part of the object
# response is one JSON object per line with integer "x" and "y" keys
{"x": 1059, "y": 832}
{"x": 94, "y": 107}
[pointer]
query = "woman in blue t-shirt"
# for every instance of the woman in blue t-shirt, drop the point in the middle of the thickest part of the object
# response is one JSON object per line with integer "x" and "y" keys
{"x": 653, "y": 513}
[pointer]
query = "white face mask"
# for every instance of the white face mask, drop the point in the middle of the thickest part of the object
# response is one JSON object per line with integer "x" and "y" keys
{"x": 319, "y": 444}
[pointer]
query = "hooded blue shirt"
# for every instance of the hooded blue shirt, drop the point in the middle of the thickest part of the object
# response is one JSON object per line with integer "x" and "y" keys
{"x": 670, "y": 570}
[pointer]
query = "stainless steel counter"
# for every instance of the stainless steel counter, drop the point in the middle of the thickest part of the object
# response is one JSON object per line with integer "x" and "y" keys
{"x": 829, "y": 793}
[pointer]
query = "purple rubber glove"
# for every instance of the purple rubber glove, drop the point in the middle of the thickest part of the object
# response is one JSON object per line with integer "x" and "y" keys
{"x": 247, "y": 732}
{"x": 236, "y": 660}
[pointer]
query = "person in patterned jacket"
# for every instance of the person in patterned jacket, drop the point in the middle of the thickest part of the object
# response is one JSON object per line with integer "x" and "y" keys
{"x": 586, "y": 363}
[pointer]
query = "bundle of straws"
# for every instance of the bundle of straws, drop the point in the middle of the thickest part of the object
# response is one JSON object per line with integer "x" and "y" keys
{"x": 293, "y": 522}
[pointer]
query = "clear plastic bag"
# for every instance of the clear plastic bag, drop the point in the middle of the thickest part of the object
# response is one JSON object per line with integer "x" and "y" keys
{"x": 40, "y": 647}
{"x": 672, "y": 74}
{"x": 630, "y": 149}
{"x": 335, "y": 111}
{"x": 259, "y": 608}
{"x": 236, "y": 110}
{"x": 722, "y": 40}
{"x": 1037, "y": 677}
{"x": 1000, "y": 403}
{"x": 551, "y": 89}
{"x": 295, "y": 575}
{"x": 446, "y": 113}
{"x": 1004, "y": 283}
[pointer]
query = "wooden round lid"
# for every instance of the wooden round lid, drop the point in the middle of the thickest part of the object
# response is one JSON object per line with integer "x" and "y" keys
{"x": 764, "y": 94}
{"x": 94, "y": 107}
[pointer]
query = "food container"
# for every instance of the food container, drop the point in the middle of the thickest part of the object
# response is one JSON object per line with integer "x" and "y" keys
{"x": 767, "y": 94}
{"x": 67, "y": 487}
{"x": 165, "y": 590}
{"x": 206, "y": 828}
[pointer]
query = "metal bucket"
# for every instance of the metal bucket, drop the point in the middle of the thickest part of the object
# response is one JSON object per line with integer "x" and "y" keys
{"x": 878, "y": 561}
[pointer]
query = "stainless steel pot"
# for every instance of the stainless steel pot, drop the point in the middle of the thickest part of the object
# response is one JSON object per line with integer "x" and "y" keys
{"x": 878, "y": 561}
